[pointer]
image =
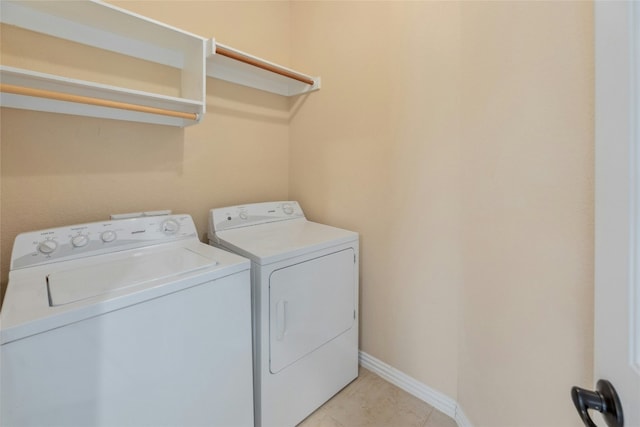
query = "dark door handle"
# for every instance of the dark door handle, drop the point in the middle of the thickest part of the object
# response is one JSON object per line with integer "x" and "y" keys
{"x": 604, "y": 400}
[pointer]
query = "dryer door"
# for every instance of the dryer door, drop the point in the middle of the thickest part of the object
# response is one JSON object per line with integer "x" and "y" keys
{"x": 310, "y": 303}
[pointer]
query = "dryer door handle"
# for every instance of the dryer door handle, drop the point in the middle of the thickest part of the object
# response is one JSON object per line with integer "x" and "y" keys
{"x": 281, "y": 319}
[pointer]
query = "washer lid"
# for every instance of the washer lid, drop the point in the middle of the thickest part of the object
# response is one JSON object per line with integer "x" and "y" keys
{"x": 50, "y": 296}
{"x": 273, "y": 242}
{"x": 84, "y": 282}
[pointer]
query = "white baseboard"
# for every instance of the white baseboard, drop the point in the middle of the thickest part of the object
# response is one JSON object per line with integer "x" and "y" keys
{"x": 461, "y": 418}
{"x": 441, "y": 402}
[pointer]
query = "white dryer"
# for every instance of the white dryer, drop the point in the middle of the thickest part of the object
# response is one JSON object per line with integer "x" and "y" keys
{"x": 305, "y": 305}
{"x": 125, "y": 323}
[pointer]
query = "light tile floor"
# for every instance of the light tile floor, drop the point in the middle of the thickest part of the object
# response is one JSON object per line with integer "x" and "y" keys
{"x": 370, "y": 401}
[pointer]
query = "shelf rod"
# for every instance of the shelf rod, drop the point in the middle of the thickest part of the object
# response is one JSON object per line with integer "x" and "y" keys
{"x": 59, "y": 96}
{"x": 256, "y": 63}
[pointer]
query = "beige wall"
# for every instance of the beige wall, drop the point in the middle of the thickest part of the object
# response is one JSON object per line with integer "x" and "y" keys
{"x": 455, "y": 137}
{"x": 458, "y": 139}
{"x": 528, "y": 146}
{"x": 59, "y": 170}
{"x": 376, "y": 150}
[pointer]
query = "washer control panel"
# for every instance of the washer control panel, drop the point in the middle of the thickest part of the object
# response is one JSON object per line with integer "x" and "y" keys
{"x": 77, "y": 241}
{"x": 253, "y": 214}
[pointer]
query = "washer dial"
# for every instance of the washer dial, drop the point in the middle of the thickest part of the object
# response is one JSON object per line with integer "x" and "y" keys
{"x": 108, "y": 236}
{"x": 80, "y": 240}
{"x": 47, "y": 246}
{"x": 287, "y": 209}
{"x": 170, "y": 226}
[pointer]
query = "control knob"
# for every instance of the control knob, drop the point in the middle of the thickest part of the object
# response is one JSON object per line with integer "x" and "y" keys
{"x": 108, "y": 236}
{"x": 287, "y": 209}
{"x": 170, "y": 226}
{"x": 80, "y": 240}
{"x": 47, "y": 246}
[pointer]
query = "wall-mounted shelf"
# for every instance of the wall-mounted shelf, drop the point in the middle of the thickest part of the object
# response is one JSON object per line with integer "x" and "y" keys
{"x": 110, "y": 28}
{"x": 30, "y": 90}
{"x": 227, "y": 63}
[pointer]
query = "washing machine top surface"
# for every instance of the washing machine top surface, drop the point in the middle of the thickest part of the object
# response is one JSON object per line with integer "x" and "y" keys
{"x": 272, "y": 231}
{"x": 88, "y": 280}
{"x": 67, "y": 274}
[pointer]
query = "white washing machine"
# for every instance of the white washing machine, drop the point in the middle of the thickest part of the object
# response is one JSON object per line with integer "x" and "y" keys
{"x": 305, "y": 305}
{"x": 125, "y": 323}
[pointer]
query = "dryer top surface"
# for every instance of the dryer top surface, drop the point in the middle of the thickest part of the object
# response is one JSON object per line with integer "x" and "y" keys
{"x": 276, "y": 241}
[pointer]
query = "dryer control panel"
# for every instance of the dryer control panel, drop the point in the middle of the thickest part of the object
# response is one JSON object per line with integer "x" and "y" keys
{"x": 82, "y": 240}
{"x": 253, "y": 214}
